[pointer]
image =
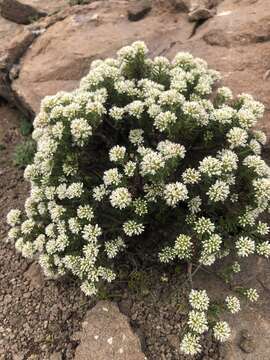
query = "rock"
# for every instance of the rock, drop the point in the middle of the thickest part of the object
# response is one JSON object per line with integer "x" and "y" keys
{"x": 247, "y": 345}
{"x": 200, "y": 14}
{"x": 216, "y": 38}
{"x": 56, "y": 356}
{"x": 106, "y": 334}
{"x": 180, "y": 5}
{"x": 76, "y": 27}
{"x": 125, "y": 306}
{"x": 14, "y": 72}
{"x": 35, "y": 275}
{"x": 20, "y": 13}
{"x": 138, "y": 10}
{"x": 174, "y": 341}
{"x": 7, "y": 31}
{"x": 48, "y": 6}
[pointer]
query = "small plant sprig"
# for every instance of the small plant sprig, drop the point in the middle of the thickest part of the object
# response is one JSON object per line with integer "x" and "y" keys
{"x": 141, "y": 149}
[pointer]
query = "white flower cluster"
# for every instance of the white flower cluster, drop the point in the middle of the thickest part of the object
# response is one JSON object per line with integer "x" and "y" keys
{"x": 142, "y": 144}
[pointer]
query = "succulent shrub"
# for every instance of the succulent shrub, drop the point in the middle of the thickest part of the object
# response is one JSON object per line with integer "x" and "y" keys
{"x": 146, "y": 146}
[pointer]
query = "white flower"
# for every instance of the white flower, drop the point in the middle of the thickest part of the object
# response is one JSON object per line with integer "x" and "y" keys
{"x": 223, "y": 115}
{"x": 171, "y": 150}
{"x": 236, "y": 268}
{"x": 263, "y": 249}
{"x": 164, "y": 120}
{"x": 191, "y": 176}
{"x": 222, "y": 331}
{"x": 174, "y": 193}
{"x": 91, "y": 232}
{"x": 245, "y": 246}
{"x": 135, "y": 108}
{"x": 13, "y": 217}
{"x": 194, "y": 205}
{"x": 197, "y": 321}
{"x": 85, "y": 212}
{"x": 206, "y": 259}
{"x": 212, "y": 244}
{"x": 237, "y": 137}
{"x": 151, "y": 163}
{"x": 74, "y": 225}
{"x": 27, "y": 226}
{"x": 219, "y": 191}
{"x": 154, "y": 110}
{"x": 252, "y": 295}
{"x": 196, "y": 111}
{"x": 210, "y": 166}
{"x": 136, "y": 136}
{"x": 125, "y": 87}
{"x": 117, "y": 153}
{"x": 183, "y": 246}
{"x": 14, "y": 233}
{"x": 263, "y": 228}
{"x": 171, "y": 97}
{"x": 113, "y": 247}
{"x": 140, "y": 207}
{"x": 99, "y": 192}
{"x": 166, "y": 255}
{"x": 262, "y": 189}
{"x": 233, "y": 304}
{"x": 228, "y": 160}
{"x": 120, "y": 198}
{"x": 88, "y": 288}
{"x": 112, "y": 177}
{"x": 80, "y": 130}
{"x": 255, "y": 146}
{"x": 225, "y": 93}
{"x": 116, "y": 112}
{"x": 153, "y": 191}
{"x": 132, "y": 227}
{"x": 246, "y": 118}
{"x": 260, "y": 136}
{"x": 257, "y": 164}
{"x": 190, "y": 344}
{"x": 74, "y": 190}
{"x": 199, "y": 300}
{"x": 130, "y": 168}
{"x": 204, "y": 226}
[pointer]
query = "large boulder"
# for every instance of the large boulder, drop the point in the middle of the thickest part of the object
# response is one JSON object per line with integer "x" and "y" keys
{"x": 19, "y": 13}
{"x": 106, "y": 334}
{"x": 98, "y": 30}
{"x": 7, "y": 31}
{"x": 49, "y": 6}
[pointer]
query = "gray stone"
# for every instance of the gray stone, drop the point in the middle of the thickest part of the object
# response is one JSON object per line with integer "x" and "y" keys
{"x": 106, "y": 334}
{"x": 34, "y": 275}
{"x": 138, "y": 10}
{"x": 200, "y": 14}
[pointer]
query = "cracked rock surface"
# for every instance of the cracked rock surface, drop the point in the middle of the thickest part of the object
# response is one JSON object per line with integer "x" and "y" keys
{"x": 106, "y": 334}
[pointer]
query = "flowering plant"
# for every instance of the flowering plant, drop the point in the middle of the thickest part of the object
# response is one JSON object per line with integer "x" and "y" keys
{"x": 141, "y": 147}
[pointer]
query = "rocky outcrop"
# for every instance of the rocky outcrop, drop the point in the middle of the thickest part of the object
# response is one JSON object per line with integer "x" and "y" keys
{"x": 138, "y": 10}
{"x": 108, "y": 27}
{"x": 106, "y": 334}
{"x": 49, "y": 6}
{"x": 19, "y": 13}
{"x": 230, "y": 41}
